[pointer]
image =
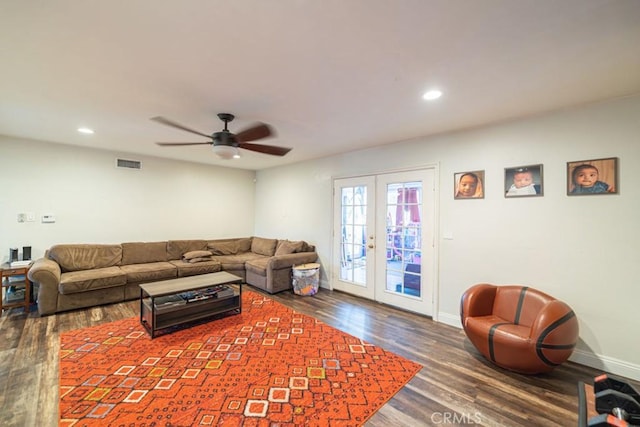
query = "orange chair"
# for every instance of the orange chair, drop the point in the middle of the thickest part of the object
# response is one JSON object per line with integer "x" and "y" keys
{"x": 519, "y": 328}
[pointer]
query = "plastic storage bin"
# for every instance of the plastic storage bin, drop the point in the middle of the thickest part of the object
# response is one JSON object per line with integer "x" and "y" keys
{"x": 306, "y": 278}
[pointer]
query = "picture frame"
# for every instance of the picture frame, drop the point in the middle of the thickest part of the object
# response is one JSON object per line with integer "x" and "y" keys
{"x": 592, "y": 177}
{"x": 523, "y": 181}
{"x": 468, "y": 185}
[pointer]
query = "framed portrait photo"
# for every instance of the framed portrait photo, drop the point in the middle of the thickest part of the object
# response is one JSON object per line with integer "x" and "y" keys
{"x": 596, "y": 176}
{"x": 468, "y": 185}
{"x": 523, "y": 181}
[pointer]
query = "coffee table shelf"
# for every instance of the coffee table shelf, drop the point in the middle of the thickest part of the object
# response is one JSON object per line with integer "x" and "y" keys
{"x": 155, "y": 317}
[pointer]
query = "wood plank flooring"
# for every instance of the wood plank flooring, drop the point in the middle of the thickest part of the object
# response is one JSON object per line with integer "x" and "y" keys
{"x": 455, "y": 387}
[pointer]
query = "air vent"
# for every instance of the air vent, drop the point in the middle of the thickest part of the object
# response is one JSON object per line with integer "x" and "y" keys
{"x": 128, "y": 164}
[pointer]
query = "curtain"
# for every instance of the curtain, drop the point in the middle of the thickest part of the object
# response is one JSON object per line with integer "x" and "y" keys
{"x": 407, "y": 206}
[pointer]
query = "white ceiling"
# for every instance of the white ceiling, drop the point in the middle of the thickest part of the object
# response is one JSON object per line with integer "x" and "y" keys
{"x": 329, "y": 75}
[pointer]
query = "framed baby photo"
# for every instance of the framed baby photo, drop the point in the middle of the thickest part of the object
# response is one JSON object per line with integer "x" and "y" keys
{"x": 596, "y": 176}
{"x": 523, "y": 181}
{"x": 468, "y": 185}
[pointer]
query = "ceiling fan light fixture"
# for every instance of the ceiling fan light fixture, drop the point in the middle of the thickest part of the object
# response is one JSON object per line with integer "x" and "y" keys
{"x": 225, "y": 152}
{"x": 432, "y": 95}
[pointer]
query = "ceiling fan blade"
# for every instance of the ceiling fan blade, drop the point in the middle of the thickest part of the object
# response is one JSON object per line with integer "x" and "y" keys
{"x": 265, "y": 149}
{"x": 258, "y": 131}
{"x": 173, "y": 124}
{"x": 170, "y": 144}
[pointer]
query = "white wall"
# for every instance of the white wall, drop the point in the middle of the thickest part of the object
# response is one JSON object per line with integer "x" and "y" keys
{"x": 581, "y": 249}
{"x": 94, "y": 202}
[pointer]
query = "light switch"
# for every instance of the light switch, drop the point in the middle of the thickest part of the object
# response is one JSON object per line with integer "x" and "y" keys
{"x": 31, "y": 217}
{"x": 447, "y": 235}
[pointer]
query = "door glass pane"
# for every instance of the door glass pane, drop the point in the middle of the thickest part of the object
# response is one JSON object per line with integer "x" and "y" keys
{"x": 353, "y": 254}
{"x": 403, "y": 238}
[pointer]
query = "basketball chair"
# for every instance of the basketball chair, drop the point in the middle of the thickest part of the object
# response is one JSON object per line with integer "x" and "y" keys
{"x": 519, "y": 328}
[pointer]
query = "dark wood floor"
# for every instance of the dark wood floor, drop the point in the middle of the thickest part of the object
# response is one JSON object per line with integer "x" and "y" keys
{"x": 455, "y": 387}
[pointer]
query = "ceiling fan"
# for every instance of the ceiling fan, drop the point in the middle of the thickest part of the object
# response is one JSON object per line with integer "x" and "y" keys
{"x": 224, "y": 143}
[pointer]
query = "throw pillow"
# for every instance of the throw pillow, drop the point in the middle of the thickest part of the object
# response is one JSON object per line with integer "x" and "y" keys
{"x": 286, "y": 247}
{"x": 196, "y": 254}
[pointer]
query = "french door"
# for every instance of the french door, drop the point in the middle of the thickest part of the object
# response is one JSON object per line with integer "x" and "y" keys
{"x": 353, "y": 236}
{"x": 383, "y": 238}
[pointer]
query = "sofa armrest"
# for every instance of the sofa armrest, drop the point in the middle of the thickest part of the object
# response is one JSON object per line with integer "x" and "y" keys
{"x": 477, "y": 301}
{"x": 556, "y": 323}
{"x": 279, "y": 262}
{"x": 46, "y": 273}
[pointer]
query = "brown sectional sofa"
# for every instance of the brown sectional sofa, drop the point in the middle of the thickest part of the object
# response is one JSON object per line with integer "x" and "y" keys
{"x": 72, "y": 276}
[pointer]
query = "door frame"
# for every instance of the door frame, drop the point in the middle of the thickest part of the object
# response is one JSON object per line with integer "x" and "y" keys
{"x": 333, "y": 270}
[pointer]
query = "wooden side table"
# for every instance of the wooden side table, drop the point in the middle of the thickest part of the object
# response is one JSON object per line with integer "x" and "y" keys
{"x": 6, "y": 274}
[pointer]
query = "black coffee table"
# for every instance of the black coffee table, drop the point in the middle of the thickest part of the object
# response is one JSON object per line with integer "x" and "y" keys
{"x": 174, "y": 302}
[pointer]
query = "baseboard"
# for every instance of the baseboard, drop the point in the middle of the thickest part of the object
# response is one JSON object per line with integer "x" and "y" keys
{"x": 325, "y": 284}
{"x": 449, "y": 319}
{"x": 606, "y": 364}
{"x": 582, "y": 357}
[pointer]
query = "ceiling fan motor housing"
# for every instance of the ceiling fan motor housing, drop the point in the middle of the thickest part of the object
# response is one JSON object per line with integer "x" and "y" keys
{"x": 224, "y": 138}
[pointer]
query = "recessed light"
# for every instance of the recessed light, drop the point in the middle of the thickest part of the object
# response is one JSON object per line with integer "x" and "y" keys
{"x": 432, "y": 94}
{"x": 86, "y": 130}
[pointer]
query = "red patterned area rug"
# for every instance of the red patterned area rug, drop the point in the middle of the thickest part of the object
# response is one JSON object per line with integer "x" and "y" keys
{"x": 269, "y": 365}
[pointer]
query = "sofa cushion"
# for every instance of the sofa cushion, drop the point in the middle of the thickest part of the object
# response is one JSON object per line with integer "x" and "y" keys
{"x": 263, "y": 246}
{"x": 85, "y": 257}
{"x": 196, "y": 255}
{"x": 230, "y": 246}
{"x": 199, "y": 260}
{"x": 87, "y": 280}
{"x": 223, "y": 248}
{"x": 176, "y": 248}
{"x": 149, "y": 272}
{"x": 244, "y": 244}
{"x": 191, "y": 269}
{"x": 143, "y": 252}
{"x": 236, "y": 262}
{"x": 286, "y": 247}
{"x": 258, "y": 265}
{"x": 498, "y": 340}
{"x": 518, "y": 305}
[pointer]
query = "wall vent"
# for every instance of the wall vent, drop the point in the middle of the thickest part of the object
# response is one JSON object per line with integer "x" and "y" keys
{"x": 128, "y": 164}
